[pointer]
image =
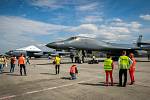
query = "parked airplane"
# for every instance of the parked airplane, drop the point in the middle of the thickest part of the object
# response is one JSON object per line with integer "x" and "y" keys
{"x": 85, "y": 43}
{"x": 60, "y": 53}
{"x": 31, "y": 51}
{"x": 36, "y": 51}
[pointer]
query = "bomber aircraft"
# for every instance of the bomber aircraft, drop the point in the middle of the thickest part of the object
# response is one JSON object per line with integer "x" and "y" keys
{"x": 86, "y": 43}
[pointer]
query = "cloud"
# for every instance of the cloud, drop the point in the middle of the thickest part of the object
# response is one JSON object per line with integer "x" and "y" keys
{"x": 84, "y": 28}
{"x": 88, "y": 7}
{"x": 117, "y": 20}
{"x": 53, "y": 4}
{"x": 114, "y": 30}
{"x": 92, "y": 19}
{"x": 145, "y": 17}
{"x": 19, "y": 25}
{"x": 132, "y": 26}
{"x": 18, "y": 32}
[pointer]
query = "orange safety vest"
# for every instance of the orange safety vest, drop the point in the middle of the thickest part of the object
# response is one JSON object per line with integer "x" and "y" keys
{"x": 21, "y": 60}
{"x": 73, "y": 69}
{"x": 133, "y": 64}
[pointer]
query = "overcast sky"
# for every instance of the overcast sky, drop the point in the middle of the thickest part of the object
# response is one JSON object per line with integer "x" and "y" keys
{"x": 29, "y": 22}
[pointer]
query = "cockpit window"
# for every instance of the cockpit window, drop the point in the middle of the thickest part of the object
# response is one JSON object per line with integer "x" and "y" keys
{"x": 72, "y": 38}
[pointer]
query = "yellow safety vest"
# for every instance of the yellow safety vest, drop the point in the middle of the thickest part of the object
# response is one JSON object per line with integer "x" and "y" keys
{"x": 108, "y": 64}
{"x": 1, "y": 60}
{"x": 124, "y": 62}
{"x": 57, "y": 60}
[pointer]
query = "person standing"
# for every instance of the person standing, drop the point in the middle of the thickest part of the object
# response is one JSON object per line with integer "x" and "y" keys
{"x": 1, "y": 64}
{"x": 28, "y": 60}
{"x": 132, "y": 68}
{"x": 72, "y": 56}
{"x": 12, "y": 64}
{"x": 108, "y": 67}
{"x": 57, "y": 64}
{"x": 124, "y": 64}
{"x": 73, "y": 72}
{"x": 148, "y": 56}
{"x": 21, "y": 63}
{"x": 4, "y": 62}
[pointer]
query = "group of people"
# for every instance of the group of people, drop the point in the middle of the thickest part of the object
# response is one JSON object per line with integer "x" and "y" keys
{"x": 73, "y": 68}
{"x": 13, "y": 60}
{"x": 77, "y": 56}
{"x": 125, "y": 63}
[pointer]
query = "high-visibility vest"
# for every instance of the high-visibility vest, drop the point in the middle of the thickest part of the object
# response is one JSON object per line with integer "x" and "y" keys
{"x": 73, "y": 69}
{"x": 21, "y": 60}
{"x": 124, "y": 62}
{"x": 2, "y": 61}
{"x": 57, "y": 60}
{"x": 133, "y": 64}
{"x": 108, "y": 64}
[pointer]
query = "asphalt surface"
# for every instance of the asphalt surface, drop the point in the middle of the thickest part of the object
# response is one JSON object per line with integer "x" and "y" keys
{"x": 41, "y": 83}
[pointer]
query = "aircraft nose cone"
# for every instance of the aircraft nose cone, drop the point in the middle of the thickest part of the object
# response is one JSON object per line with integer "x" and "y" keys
{"x": 51, "y": 45}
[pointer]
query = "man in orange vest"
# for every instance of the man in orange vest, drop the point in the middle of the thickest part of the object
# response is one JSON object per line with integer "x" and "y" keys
{"x": 21, "y": 63}
{"x": 73, "y": 72}
{"x": 132, "y": 68}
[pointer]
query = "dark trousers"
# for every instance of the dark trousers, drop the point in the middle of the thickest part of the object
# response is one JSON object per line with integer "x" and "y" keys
{"x": 121, "y": 73}
{"x": 28, "y": 62}
{"x": 76, "y": 59}
{"x": 24, "y": 68}
{"x": 12, "y": 67}
{"x": 57, "y": 69}
{"x": 83, "y": 59}
{"x": 72, "y": 59}
{"x": 1, "y": 66}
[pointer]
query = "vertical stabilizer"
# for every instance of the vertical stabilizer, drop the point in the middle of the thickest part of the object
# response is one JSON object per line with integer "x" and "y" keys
{"x": 139, "y": 40}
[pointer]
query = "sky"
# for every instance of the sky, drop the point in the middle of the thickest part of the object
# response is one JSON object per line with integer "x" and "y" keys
{"x": 30, "y": 22}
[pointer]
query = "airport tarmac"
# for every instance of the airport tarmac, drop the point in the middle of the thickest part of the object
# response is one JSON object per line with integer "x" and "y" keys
{"x": 41, "y": 83}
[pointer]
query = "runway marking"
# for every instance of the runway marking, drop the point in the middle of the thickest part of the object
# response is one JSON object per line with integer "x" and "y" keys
{"x": 37, "y": 91}
{"x": 8, "y": 97}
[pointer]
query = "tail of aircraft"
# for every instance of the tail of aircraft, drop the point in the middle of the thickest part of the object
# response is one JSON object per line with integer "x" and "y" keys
{"x": 141, "y": 43}
{"x": 139, "y": 40}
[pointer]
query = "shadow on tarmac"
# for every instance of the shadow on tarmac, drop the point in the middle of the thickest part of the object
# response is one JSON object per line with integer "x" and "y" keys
{"x": 45, "y": 64}
{"x": 65, "y": 78}
{"x": 97, "y": 84}
{"x": 6, "y": 72}
{"x": 64, "y": 63}
{"x": 48, "y": 73}
{"x": 14, "y": 74}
